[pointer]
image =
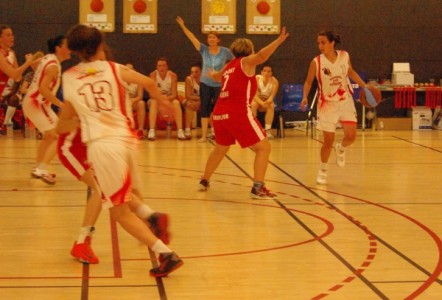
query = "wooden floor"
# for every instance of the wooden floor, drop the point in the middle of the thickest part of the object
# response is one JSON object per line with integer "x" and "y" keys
{"x": 374, "y": 232}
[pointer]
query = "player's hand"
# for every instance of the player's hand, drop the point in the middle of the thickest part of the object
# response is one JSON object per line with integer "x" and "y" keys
{"x": 304, "y": 104}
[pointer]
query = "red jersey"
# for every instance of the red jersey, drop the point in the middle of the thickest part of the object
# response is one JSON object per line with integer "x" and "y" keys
{"x": 237, "y": 90}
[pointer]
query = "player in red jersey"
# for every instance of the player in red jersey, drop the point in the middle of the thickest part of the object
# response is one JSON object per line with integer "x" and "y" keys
{"x": 232, "y": 117}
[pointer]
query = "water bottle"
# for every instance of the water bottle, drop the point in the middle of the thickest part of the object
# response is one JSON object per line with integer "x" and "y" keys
{"x": 9, "y": 130}
{"x": 381, "y": 125}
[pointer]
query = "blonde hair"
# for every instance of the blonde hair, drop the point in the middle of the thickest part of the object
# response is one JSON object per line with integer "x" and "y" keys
{"x": 242, "y": 47}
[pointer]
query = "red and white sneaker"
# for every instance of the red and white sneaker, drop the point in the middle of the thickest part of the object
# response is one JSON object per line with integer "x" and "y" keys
{"x": 169, "y": 262}
{"x": 44, "y": 175}
{"x": 84, "y": 253}
{"x": 140, "y": 134}
{"x": 262, "y": 193}
{"x": 159, "y": 223}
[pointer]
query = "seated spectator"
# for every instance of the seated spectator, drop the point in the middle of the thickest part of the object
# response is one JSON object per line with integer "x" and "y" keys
{"x": 138, "y": 105}
{"x": 191, "y": 101}
{"x": 167, "y": 82}
{"x": 263, "y": 100}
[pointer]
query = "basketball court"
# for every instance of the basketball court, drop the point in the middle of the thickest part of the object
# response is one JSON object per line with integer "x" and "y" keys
{"x": 373, "y": 232}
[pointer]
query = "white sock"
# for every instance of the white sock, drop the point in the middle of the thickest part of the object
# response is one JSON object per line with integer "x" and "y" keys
{"x": 268, "y": 126}
{"x": 323, "y": 167}
{"x": 159, "y": 247}
{"x": 187, "y": 129}
{"x": 144, "y": 211}
{"x": 84, "y": 232}
{"x": 10, "y": 111}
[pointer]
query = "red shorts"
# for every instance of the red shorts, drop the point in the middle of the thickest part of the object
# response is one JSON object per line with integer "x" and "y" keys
{"x": 72, "y": 153}
{"x": 232, "y": 127}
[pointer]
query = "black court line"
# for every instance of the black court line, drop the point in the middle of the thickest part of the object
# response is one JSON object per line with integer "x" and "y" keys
{"x": 414, "y": 143}
{"x": 311, "y": 232}
{"x": 382, "y": 241}
{"x": 159, "y": 280}
{"x": 329, "y": 248}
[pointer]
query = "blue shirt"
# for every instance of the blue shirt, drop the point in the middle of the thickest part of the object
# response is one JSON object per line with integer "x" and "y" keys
{"x": 215, "y": 62}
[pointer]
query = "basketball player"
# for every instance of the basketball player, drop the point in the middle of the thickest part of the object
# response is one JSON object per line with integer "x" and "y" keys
{"x": 265, "y": 93}
{"x": 37, "y": 103}
{"x": 94, "y": 90}
{"x": 332, "y": 69}
{"x": 167, "y": 82}
{"x": 72, "y": 153}
{"x": 192, "y": 101}
{"x": 232, "y": 117}
{"x": 9, "y": 69}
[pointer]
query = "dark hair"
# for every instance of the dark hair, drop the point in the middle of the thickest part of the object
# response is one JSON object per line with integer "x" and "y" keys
{"x": 197, "y": 64}
{"x": 3, "y": 27}
{"x": 55, "y": 42}
{"x": 331, "y": 36}
{"x": 163, "y": 58}
{"x": 266, "y": 64}
{"x": 84, "y": 40}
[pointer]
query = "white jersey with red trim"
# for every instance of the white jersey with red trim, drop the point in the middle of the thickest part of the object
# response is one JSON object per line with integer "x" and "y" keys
{"x": 165, "y": 85}
{"x": 99, "y": 97}
{"x": 333, "y": 82}
{"x": 6, "y": 82}
{"x": 33, "y": 92}
{"x": 264, "y": 89}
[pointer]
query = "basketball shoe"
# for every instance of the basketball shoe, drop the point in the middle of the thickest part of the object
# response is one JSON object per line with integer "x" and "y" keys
{"x": 262, "y": 193}
{"x": 322, "y": 177}
{"x": 84, "y": 253}
{"x": 180, "y": 135}
{"x": 188, "y": 134}
{"x": 140, "y": 134}
{"x": 43, "y": 175}
{"x": 158, "y": 224}
{"x": 204, "y": 185}
{"x": 151, "y": 135}
{"x": 169, "y": 262}
{"x": 340, "y": 155}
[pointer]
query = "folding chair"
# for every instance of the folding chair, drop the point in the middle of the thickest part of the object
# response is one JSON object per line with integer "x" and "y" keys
{"x": 290, "y": 102}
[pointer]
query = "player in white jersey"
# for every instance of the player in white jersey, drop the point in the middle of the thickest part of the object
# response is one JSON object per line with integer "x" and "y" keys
{"x": 332, "y": 69}
{"x": 263, "y": 100}
{"x": 192, "y": 100}
{"x": 37, "y": 103}
{"x": 9, "y": 69}
{"x": 95, "y": 90}
{"x": 167, "y": 82}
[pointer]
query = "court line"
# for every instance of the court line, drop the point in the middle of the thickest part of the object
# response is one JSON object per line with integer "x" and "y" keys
{"x": 85, "y": 283}
{"x": 433, "y": 277}
{"x": 311, "y": 232}
{"x": 159, "y": 280}
{"x": 414, "y": 143}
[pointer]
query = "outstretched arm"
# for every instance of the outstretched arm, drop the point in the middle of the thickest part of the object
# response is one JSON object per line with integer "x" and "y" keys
{"x": 262, "y": 55}
{"x": 189, "y": 34}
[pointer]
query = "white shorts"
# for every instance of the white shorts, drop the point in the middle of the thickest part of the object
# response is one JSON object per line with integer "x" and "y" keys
{"x": 115, "y": 166}
{"x": 41, "y": 115}
{"x": 332, "y": 112}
